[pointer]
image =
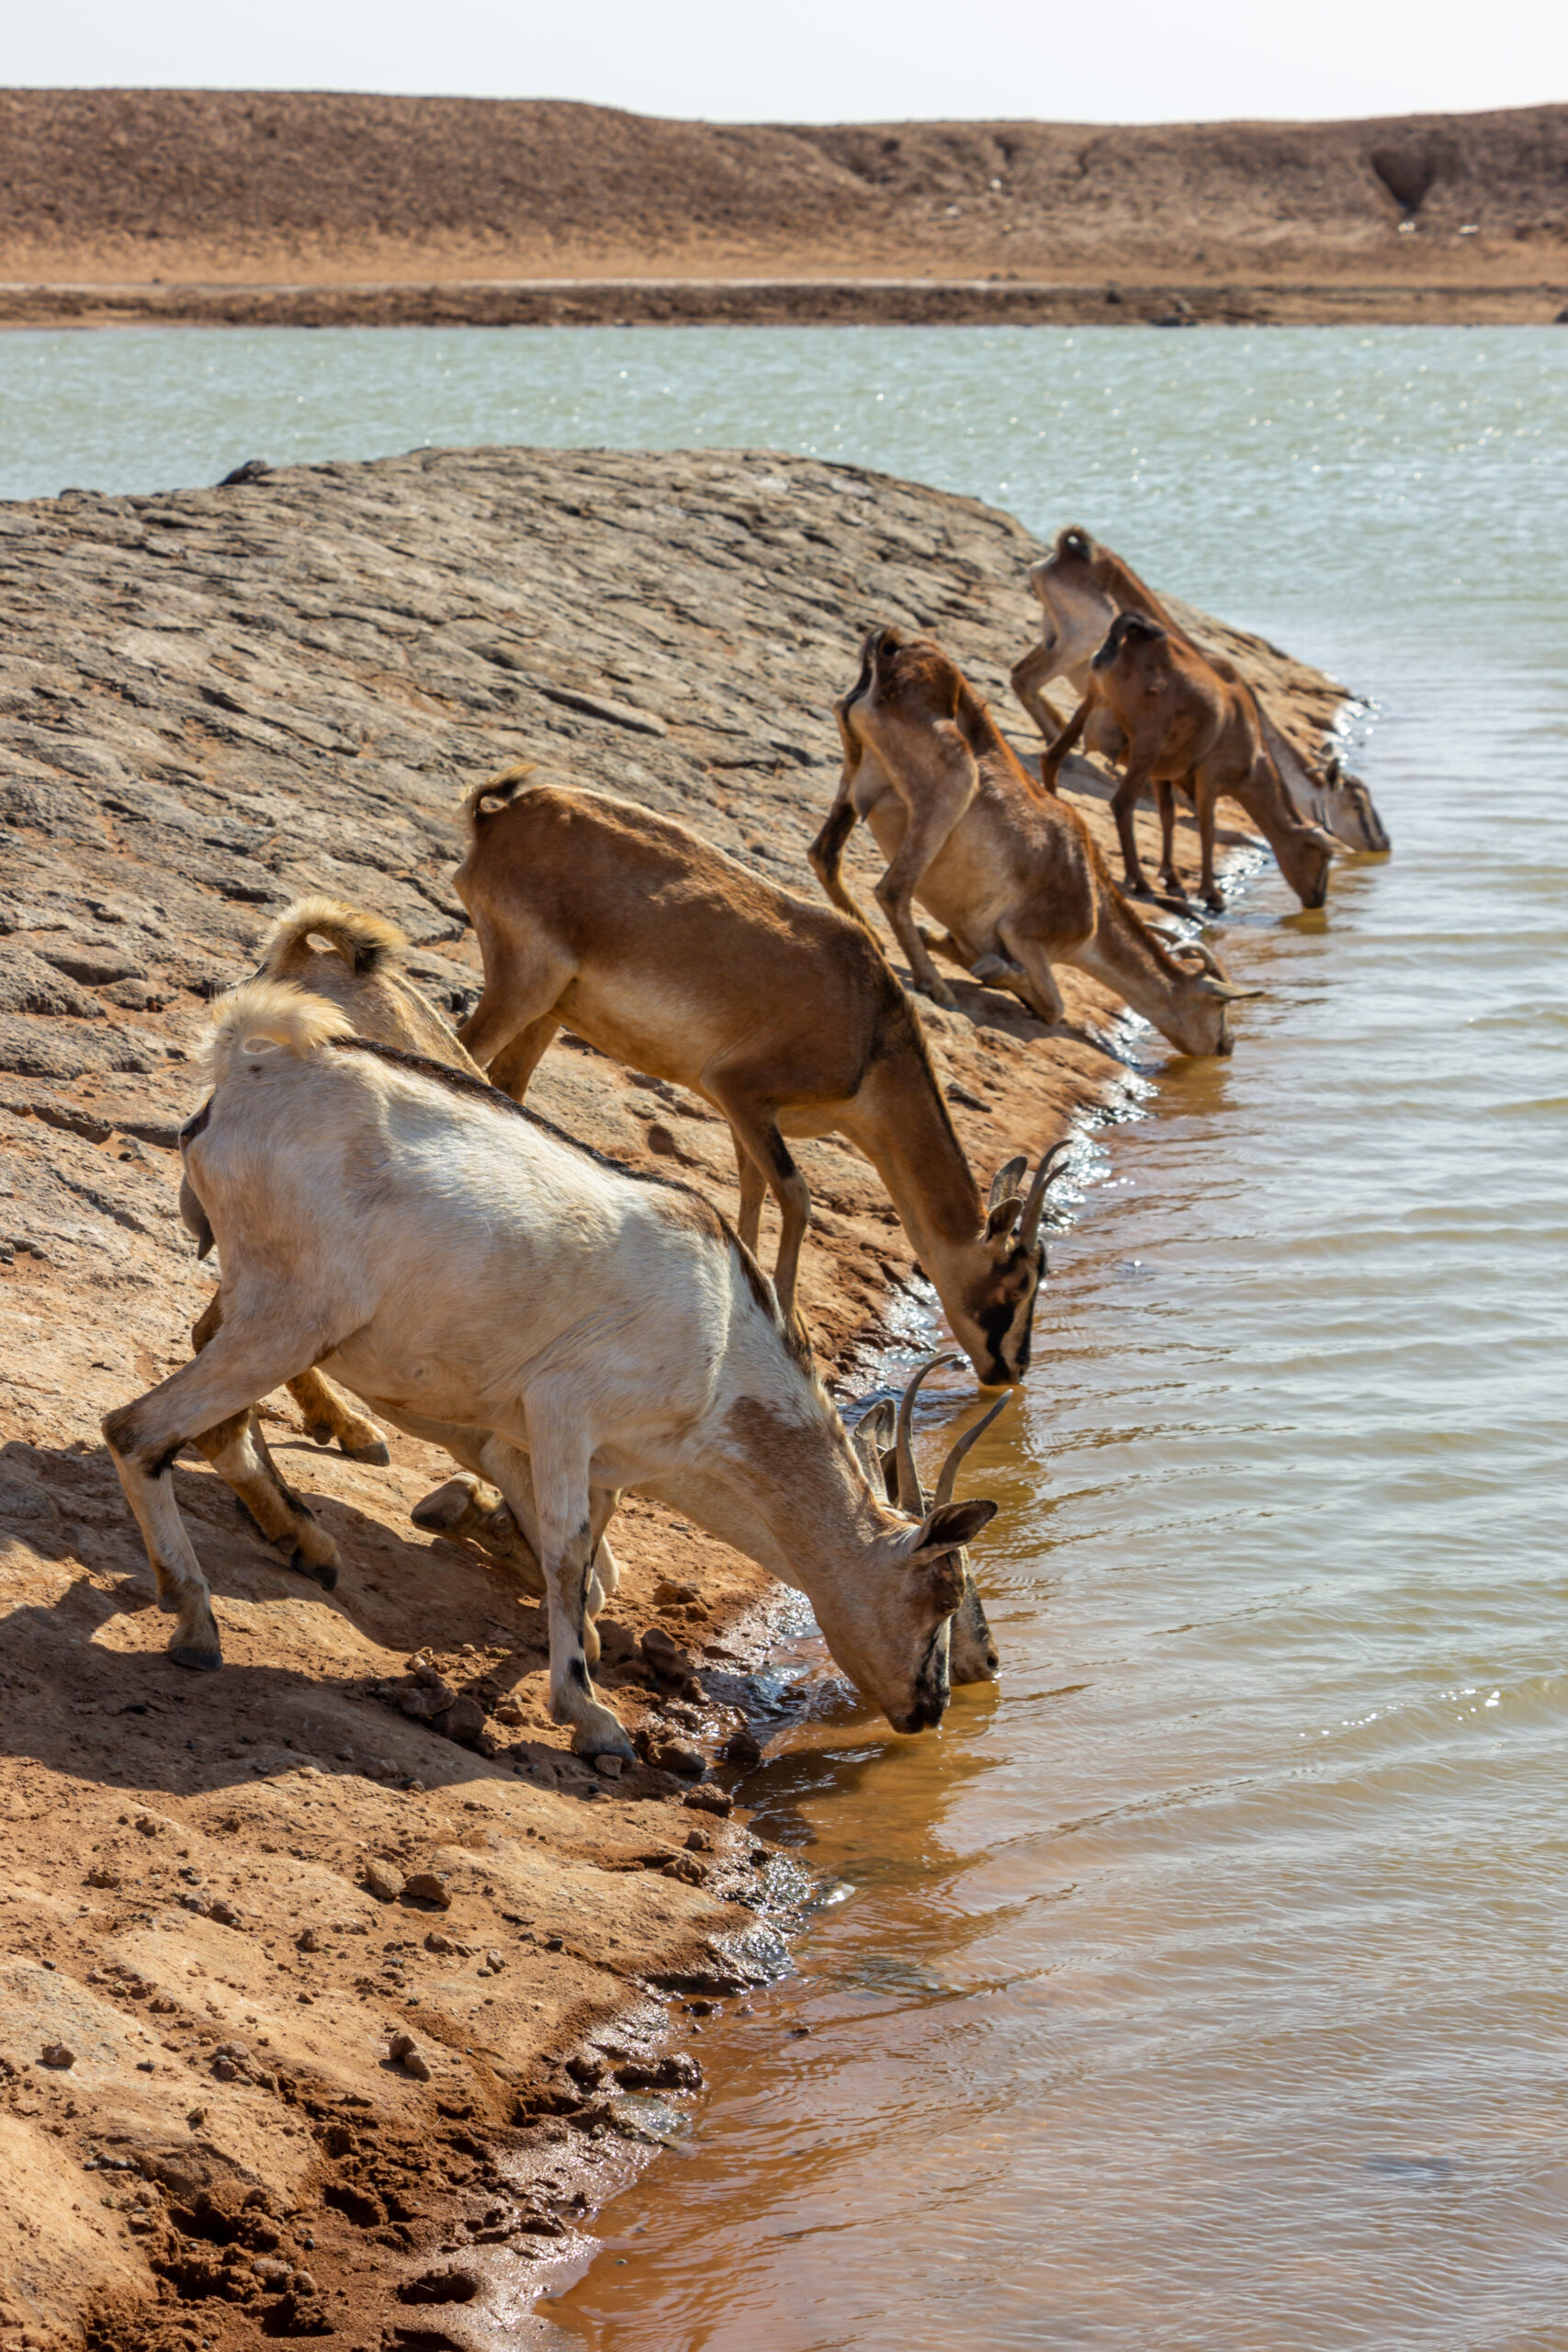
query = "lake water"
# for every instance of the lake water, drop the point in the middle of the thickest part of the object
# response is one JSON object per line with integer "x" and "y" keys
{"x": 1204, "y": 1987}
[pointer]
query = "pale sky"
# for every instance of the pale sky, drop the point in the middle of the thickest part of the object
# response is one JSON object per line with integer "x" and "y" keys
{"x": 1129, "y": 60}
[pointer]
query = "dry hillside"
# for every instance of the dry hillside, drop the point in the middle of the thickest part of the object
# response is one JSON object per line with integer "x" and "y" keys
{"x": 315, "y": 191}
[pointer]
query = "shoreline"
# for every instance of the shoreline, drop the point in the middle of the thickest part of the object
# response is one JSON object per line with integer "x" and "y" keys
{"x": 776, "y": 301}
{"x": 217, "y": 700}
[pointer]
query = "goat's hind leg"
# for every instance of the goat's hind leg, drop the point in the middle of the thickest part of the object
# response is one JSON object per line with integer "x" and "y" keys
{"x": 217, "y": 1388}
{"x": 329, "y": 1420}
{"x": 238, "y": 1454}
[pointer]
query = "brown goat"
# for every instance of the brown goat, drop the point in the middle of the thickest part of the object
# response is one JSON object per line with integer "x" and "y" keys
{"x": 1016, "y": 875}
{"x": 661, "y": 951}
{"x": 1082, "y": 587}
{"x": 1182, "y": 723}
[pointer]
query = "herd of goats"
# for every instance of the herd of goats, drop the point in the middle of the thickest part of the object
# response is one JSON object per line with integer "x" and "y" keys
{"x": 386, "y": 1211}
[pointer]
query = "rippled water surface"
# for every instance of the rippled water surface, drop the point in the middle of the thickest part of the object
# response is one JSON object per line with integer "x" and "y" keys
{"x": 1202, "y": 1988}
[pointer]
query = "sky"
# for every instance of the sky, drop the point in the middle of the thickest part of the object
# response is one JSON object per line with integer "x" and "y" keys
{"x": 818, "y": 60}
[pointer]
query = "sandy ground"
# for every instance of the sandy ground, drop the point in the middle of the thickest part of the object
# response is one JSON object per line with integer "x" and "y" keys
{"x": 222, "y": 1898}
{"x": 294, "y": 206}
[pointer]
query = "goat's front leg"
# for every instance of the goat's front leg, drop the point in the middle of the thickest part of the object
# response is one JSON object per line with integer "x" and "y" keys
{"x": 550, "y": 1484}
{"x": 1123, "y": 805}
{"x": 1204, "y": 798}
{"x": 757, "y": 1135}
{"x": 753, "y": 1190}
{"x": 1029, "y": 678}
{"x": 1164, "y": 801}
{"x": 243, "y": 1360}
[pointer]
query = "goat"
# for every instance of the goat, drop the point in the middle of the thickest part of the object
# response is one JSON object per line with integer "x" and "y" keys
{"x": 1082, "y": 587}
{"x": 460, "y": 1263}
{"x": 356, "y": 961}
{"x": 661, "y": 951}
{"x": 1183, "y": 723}
{"x": 1016, "y": 875}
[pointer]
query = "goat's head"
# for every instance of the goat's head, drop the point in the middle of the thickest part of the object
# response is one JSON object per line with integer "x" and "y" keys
{"x": 1130, "y": 634}
{"x": 890, "y": 1623}
{"x": 993, "y": 1316}
{"x": 1342, "y": 805}
{"x": 884, "y": 1445}
{"x": 1198, "y": 1021}
{"x": 1306, "y": 856}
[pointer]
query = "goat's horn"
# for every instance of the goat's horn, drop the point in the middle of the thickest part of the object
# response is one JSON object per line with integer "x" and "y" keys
{"x": 944, "y": 1484}
{"x": 1050, "y": 1168}
{"x": 1205, "y": 955}
{"x": 910, "y": 1495}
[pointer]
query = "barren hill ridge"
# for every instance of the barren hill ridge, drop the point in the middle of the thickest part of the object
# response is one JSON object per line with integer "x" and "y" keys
{"x": 252, "y": 187}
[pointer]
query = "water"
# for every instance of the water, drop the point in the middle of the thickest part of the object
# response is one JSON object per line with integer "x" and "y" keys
{"x": 1202, "y": 1985}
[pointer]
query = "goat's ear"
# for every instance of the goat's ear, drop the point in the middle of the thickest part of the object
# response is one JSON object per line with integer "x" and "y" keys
{"x": 1003, "y": 1217}
{"x": 1007, "y": 1180}
{"x": 951, "y": 1525}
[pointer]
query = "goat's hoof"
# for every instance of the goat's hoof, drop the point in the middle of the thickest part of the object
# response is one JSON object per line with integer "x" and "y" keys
{"x": 204, "y": 1661}
{"x": 376, "y": 1451}
{"x": 937, "y": 992}
{"x": 602, "y": 1737}
{"x": 321, "y": 1572}
{"x": 445, "y": 1512}
{"x": 319, "y": 1432}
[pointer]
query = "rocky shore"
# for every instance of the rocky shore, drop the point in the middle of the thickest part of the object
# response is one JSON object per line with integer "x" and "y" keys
{"x": 334, "y": 1992}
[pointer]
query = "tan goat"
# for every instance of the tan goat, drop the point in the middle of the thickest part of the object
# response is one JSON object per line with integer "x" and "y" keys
{"x": 357, "y": 962}
{"x": 1014, "y": 874}
{"x": 663, "y": 952}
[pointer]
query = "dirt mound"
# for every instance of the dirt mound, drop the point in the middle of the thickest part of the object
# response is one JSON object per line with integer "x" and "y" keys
{"x": 251, "y": 185}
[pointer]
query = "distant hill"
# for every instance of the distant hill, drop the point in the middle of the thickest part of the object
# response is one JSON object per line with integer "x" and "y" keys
{"x": 139, "y": 184}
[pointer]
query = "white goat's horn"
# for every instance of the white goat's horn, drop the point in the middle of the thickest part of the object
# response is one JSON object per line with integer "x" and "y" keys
{"x": 1034, "y": 1206}
{"x": 910, "y": 1495}
{"x": 944, "y": 1485}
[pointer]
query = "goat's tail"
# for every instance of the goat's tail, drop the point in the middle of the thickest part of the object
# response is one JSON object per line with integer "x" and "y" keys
{"x": 264, "y": 1017}
{"x": 501, "y": 789}
{"x": 366, "y": 943}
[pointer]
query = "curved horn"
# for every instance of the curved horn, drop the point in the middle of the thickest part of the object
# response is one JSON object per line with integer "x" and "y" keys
{"x": 1205, "y": 955}
{"x": 950, "y": 1468}
{"x": 910, "y": 1497}
{"x": 1034, "y": 1206}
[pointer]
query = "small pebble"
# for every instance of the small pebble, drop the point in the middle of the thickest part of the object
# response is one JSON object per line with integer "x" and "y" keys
{"x": 405, "y": 2051}
{"x": 426, "y": 1887}
{"x": 383, "y": 1882}
{"x": 58, "y": 2053}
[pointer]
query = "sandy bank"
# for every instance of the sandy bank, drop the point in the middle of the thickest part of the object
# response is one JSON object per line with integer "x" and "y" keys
{"x": 210, "y": 703}
{"x": 300, "y": 208}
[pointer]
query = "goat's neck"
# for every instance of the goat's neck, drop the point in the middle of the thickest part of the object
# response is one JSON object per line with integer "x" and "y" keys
{"x": 1266, "y": 797}
{"x": 1127, "y": 957}
{"x": 774, "y": 1492}
{"x": 900, "y": 1123}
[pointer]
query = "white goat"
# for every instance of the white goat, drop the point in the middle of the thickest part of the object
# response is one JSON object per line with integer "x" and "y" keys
{"x": 463, "y": 1267}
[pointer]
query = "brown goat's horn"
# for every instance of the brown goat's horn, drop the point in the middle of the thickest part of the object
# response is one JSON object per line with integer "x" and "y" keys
{"x": 1205, "y": 955}
{"x": 1034, "y": 1206}
{"x": 910, "y": 1495}
{"x": 944, "y": 1484}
